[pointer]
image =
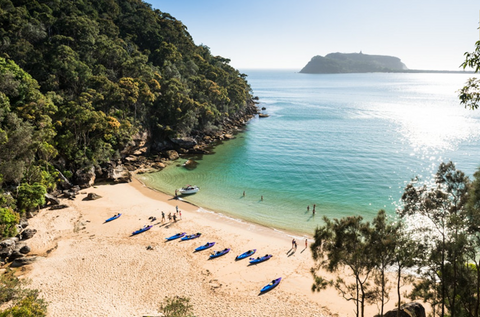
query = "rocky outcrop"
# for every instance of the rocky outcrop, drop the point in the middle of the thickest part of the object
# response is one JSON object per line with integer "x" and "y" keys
{"x": 51, "y": 200}
{"x": 171, "y": 155}
{"x": 27, "y": 234}
{"x": 23, "y": 261}
{"x": 138, "y": 145}
{"x": 412, "y": 309}
{"x": 85, "y": 177}
{"x": 184, "y": 142}
{"x": 61, "y": 206}
{"x": 92, "y": 196}
{"x": 120, "y": 174}
{"x": 190, "y": 164}
{"x": 12, "y": 249}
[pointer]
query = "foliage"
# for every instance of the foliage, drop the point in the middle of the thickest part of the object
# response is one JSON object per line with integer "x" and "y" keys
{"x": 30, "y": 196}
{"x": 346, "y": 243}
{"x": 112, "y": 69}
{"x": 469, "y": 95}
{"x": 22, "y": 302}
{"x": 445, "y": 254}
{"x": 8, "y": 221}
{"x": 176, "y": 307}
{"x": 79, "y": 78}
{"x": 443, "y": 245}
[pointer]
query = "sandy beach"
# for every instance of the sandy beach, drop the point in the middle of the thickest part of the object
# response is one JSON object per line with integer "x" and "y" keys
{"x": 92, "y": 268}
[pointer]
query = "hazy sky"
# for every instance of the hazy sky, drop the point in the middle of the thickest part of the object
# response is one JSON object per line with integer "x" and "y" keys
{"x": 424, "y": 34}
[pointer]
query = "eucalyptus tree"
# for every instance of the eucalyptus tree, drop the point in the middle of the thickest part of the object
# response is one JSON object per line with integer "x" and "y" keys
{"x": 471, "y": 300}
{"x": 443, "y": 205}
{"x": 384, "y": 244}
{"x": 343, "y": 246}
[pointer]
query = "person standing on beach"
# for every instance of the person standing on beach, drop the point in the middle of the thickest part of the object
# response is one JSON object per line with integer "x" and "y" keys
{"x": 180, "y": 213}
{"x": 176, "y": 208}
{"x": 293, "y": 243}
{"x": 163, "y": 216}
{"x": 306, "y": 243}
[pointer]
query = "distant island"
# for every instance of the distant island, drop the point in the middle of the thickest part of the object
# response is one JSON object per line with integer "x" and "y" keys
{"x": 336, "y": 63}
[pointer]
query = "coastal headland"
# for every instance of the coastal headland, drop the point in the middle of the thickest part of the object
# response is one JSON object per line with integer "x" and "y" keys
{"x": 91, "y": 268}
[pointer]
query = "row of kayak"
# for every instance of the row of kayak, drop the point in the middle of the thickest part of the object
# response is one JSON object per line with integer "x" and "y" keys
{"x": 217, "y": 254}
{"x": 184, "y": 237}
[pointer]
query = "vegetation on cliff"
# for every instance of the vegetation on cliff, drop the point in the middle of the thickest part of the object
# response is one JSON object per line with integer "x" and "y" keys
{"x": 79, "y": 78}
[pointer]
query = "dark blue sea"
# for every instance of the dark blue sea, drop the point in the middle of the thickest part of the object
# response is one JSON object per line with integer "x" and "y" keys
{"x": 348, "y": 143}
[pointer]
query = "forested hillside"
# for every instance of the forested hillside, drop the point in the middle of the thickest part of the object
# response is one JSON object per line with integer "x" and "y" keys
{"x": 79, "y": 78}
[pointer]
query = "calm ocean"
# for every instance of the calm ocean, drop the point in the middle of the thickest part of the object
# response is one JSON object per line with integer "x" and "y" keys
{"x": 348, "y": 143}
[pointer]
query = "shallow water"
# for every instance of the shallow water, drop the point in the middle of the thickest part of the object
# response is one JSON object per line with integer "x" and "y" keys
{"x": 348, "y": 143}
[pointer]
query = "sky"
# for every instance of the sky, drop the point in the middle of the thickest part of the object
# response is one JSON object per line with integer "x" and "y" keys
{"x": 281, "y": 34}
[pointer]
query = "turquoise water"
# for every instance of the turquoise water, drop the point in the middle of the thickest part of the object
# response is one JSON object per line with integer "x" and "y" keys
{"x": 348, "y": 143}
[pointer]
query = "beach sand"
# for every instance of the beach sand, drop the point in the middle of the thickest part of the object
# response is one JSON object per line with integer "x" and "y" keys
{"x": 91, "y": 268}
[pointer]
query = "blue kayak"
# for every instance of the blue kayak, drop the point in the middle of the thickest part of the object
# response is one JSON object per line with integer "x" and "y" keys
{"x": 113, "y": 218}
{"x": 206, "y": 246}
{"x": 219, "y": 253}
{"x": 191, "y": 236}
{"x": 246, "y": 254}
{"x": 271, "y": 285}
{"x": 260, "y": 259}
{"x": 176, "y": 236}
{"x": 142, "y": 230}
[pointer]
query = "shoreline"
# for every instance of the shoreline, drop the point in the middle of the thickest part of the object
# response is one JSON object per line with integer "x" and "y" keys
{"x": 205, "y": 210}
{"x": 91, "y": 268}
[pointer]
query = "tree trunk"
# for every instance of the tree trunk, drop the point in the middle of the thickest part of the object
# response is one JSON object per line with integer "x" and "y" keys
{"x": 399, "y": 278}
{"x": 383, "y": 292}
{"x": 442, "y": 270}
{"x": 477, "y": 303}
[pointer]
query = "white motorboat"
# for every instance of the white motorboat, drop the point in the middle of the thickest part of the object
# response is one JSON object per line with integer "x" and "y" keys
{"x": 189, "y": 189}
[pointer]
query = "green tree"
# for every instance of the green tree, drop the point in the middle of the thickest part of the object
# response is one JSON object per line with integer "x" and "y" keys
{"x": 471, "y": 301}
{"x": 443, "y": 205}
{"x": 469, "y": 95}
{"x": 343, "y": 246}
{"x": 406, "y": 255}
{"x": 30, "y": 197}
{"x": 384, "y": 242}
{"x": 8, "y": 221}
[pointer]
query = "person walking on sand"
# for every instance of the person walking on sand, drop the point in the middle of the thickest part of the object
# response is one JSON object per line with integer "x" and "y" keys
{"x": 180, "y": 213}
{"x": 306, "y": 243}
{"x": 163, "y": 216}
{"x": 176, "y": 208}
{"x": 169, "y": 216}
{"x": 295, "y": 244}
